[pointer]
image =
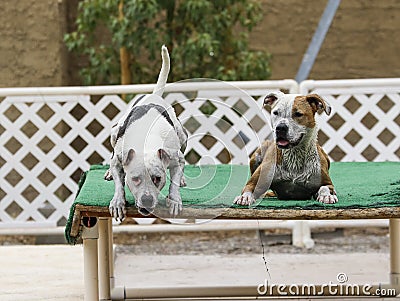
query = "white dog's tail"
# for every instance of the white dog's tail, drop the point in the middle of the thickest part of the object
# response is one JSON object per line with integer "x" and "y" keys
{"x": 163, "y": 76}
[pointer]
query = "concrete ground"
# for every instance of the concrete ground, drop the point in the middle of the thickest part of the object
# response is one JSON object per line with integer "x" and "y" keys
{"x": 55, "y": 272}
{"x": 148, "y": 271}
{"x": 48, "y": 272}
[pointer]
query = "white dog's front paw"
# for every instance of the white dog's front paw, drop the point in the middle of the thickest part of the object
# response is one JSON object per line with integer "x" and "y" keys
{"x": 324, "y": 196}
{"x": 183, "y": 182}
{"x": 174, "y": 204}
{"x": 117, "y": 209}
{"x": 247, "y": 198}
{"x": 108, "y": 175}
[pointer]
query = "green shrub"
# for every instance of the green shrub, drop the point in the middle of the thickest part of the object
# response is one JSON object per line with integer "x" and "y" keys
{"x": 206, "y": 39}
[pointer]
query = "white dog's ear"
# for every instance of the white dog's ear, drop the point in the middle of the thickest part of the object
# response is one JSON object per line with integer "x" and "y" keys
{"x": 127, "y": 158}
{"x": 318, "y": 104}
{"x": 270, "y": 99}
{"x": 163, "y": 155}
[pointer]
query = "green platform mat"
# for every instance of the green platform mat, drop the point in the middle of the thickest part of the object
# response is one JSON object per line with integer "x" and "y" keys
{"x": 358, "y": 185}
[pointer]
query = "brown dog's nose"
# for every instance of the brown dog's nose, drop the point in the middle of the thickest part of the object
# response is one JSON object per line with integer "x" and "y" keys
{"x": 281, "y": 129}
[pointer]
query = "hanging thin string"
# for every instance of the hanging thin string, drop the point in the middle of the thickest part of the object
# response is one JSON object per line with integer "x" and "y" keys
{"x": 263, "y": 251}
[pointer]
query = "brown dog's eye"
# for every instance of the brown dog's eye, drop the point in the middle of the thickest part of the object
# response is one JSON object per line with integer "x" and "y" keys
{"x": 136, "y": 180}
{"x": 156, "y": 180}
{"x": 297, "y": 114}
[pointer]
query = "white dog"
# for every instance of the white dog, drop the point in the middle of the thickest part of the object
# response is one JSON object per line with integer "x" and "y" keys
{"x": 146, "y": 141}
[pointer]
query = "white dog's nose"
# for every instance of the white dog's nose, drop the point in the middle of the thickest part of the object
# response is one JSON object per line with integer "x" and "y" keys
{"x": 147, "y": 201}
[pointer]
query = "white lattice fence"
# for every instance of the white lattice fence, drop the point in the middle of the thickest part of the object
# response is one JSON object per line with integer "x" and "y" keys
{"x": 46, "y": 143}
{"x": 224, "y": 126}
{"x": 48, "y": 136}
{"x": 365, "y": 123}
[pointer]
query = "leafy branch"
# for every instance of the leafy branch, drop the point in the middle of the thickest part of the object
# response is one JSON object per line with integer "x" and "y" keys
{"x": 206, "y": 38}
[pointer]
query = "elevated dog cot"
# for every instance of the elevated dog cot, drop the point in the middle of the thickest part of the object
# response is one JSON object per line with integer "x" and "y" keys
{"x": 50, "y": 134}
{"x": 366, "y": 190}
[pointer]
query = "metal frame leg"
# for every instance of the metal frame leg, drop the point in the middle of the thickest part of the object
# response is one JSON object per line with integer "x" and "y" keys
{"x": 117, "y": 293}
{"x": 301, "y": 235}
{"x": 104, "y": 259}
{"x": 394, "y": 231}
{"x": 90, "y": 263}
{"x": 111, "y": 252}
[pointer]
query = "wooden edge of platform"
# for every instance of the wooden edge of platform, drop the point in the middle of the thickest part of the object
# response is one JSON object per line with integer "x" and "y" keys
{"x": 245, "y": 213}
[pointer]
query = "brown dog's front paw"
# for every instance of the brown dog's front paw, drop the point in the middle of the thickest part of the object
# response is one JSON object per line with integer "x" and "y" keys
{"x": 324, "y": 196}
{"x": 245, "y": 199}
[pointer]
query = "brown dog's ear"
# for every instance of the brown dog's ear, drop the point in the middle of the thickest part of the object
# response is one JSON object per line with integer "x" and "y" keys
{"x": 127, "y": 158}
{"x": 270, "y": 99}
{"x": 318, "y": 104}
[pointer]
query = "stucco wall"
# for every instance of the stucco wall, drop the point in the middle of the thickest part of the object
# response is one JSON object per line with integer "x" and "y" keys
{"x": 362, "y": 41}
{"x": 31, "y": 43}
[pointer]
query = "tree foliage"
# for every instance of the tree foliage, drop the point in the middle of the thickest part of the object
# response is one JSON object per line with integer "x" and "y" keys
{"x": 206, "y": 38}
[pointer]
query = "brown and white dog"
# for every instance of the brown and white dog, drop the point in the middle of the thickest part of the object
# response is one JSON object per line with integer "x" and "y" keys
{"x": 294, "y": 166}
